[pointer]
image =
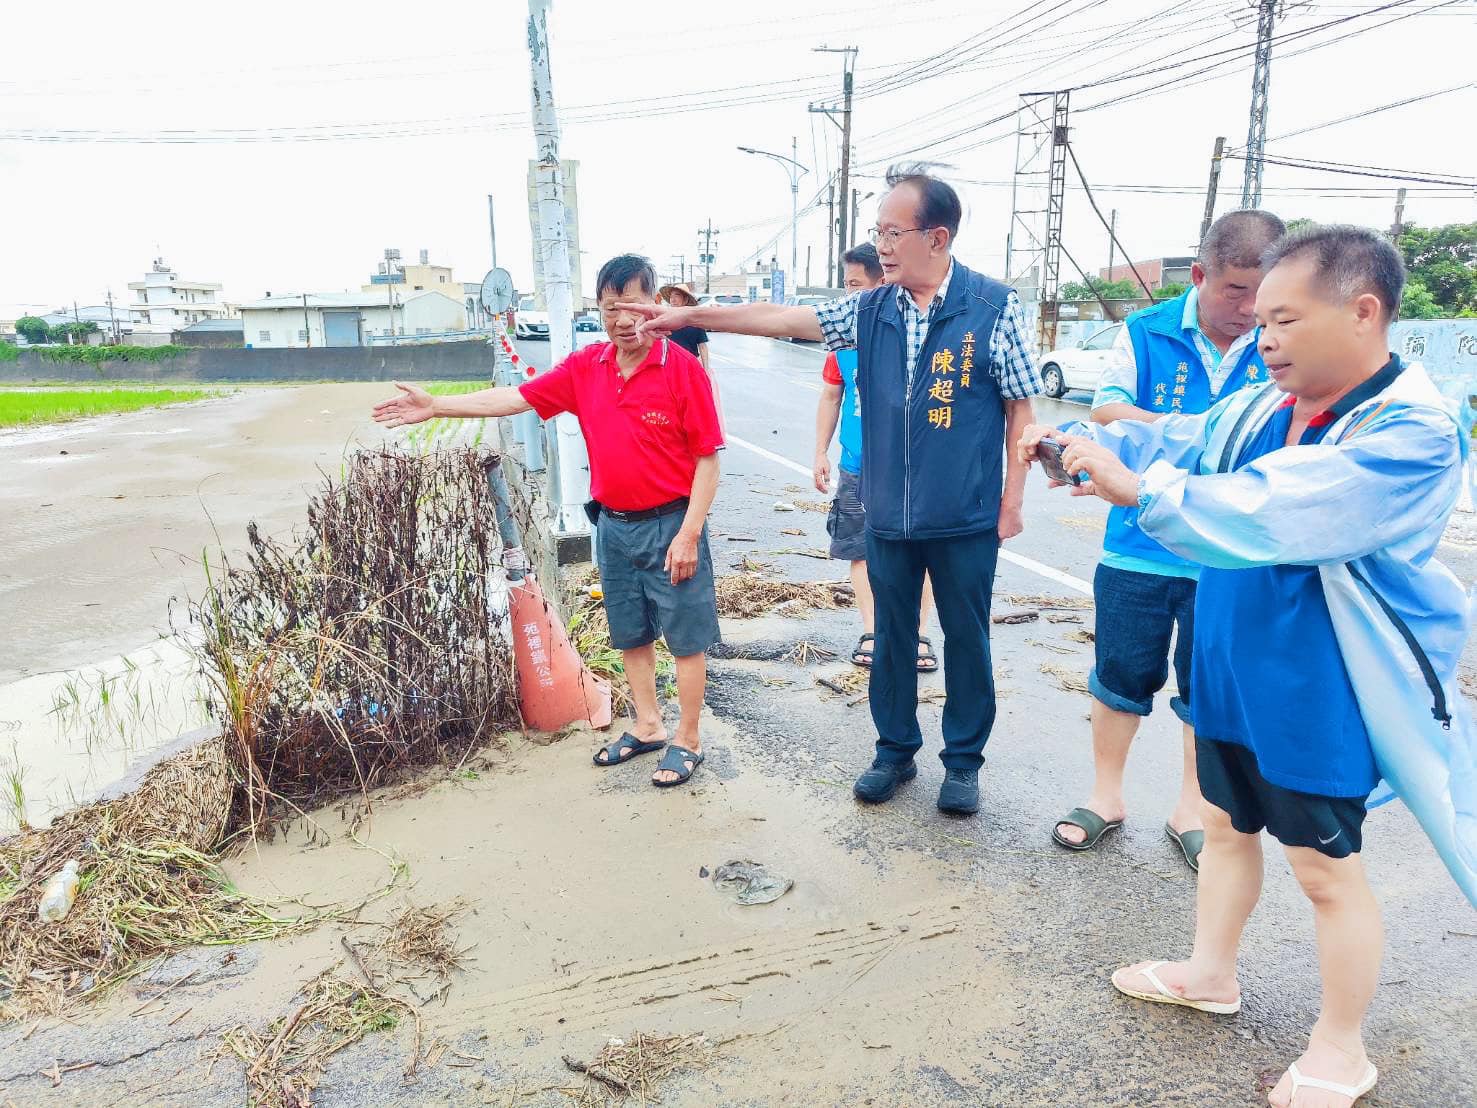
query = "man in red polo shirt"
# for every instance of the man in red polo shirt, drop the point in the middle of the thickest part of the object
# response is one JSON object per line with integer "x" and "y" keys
{"x": 651, "y": 430}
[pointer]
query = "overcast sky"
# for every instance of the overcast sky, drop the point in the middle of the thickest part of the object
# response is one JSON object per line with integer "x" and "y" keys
{"x": 422, "y": 110}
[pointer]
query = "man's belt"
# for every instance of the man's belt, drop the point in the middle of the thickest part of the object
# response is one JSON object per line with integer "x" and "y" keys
{"x": 672, "y": 506}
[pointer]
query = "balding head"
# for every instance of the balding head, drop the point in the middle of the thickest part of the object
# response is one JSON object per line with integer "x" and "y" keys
{"x": 1237, "y": 240}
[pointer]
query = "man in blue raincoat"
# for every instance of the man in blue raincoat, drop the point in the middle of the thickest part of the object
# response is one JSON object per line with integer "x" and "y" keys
{"x": 1326, "y": 636}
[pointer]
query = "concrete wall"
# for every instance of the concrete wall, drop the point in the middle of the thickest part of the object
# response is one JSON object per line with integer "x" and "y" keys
{"x": 450, "y": 361}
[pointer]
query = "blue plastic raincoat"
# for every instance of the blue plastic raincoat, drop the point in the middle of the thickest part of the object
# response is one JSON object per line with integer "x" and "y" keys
{"x": 1368, "y": 507}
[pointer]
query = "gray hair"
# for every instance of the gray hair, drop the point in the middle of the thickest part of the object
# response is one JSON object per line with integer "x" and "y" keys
{"x": 1347, "y": 262}
{"x": 938, "y": 203}
{"x": 1238, "y": 240}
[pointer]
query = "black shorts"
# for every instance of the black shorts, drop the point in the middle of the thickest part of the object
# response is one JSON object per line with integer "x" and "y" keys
{"x": 1137, "y": 613}
{"x": 1230, "y": 779}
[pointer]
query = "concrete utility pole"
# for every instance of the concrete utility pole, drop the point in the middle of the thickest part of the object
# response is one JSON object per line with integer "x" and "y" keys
{"x": 569, "y": 444}
{"x": 831, "y": 228}
{"x": 706, "y": 235}
{"x": 1256, "y": 129}
{"x": 113, "y": 317}
{"x": 1210, "y": 190}
{"x": 492, "y": 230}
{"x": 848, "y": 65}
{"x": 1398, "y": 227}
{"x": 307, "y": 324}
{"x": 1112, "y": 235}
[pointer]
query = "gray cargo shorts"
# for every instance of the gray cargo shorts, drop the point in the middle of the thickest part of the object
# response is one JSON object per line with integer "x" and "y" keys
{"x": 640, "y": 600}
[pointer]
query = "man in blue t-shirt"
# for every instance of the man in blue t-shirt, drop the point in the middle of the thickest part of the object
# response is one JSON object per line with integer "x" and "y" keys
{"x": 1315, "y": 506}
{"x": 847, "y": 521}
{"x": 1177, "y": 357}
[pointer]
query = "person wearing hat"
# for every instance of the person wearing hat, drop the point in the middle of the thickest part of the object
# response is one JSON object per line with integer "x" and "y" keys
{"x": 692, "y": 339}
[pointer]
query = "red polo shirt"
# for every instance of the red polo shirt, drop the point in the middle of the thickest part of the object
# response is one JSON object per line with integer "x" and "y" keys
{"x": 644, "y": 434}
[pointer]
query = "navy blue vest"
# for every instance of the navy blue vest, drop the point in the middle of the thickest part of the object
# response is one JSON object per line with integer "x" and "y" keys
{"x": 933, "y": 448}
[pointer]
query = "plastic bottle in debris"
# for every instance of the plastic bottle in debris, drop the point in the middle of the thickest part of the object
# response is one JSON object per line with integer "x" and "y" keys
{"x": 60, "y": 892}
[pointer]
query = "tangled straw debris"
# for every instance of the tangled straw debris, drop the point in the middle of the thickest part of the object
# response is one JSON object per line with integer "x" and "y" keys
{"x": 804, "y": 652}
{"x": 746, "y": 595}
{"x": 149, "y": 886}
{"x": 633, "y": 1068}
{"x": 1043, "y": 602}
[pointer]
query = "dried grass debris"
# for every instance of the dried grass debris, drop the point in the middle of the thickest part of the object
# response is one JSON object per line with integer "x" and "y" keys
{"x": 1068, "y": 678}
{"x": 633, "y": 1068}
{"x": 1043, "y": 602}
{"x": 747, "y": 595}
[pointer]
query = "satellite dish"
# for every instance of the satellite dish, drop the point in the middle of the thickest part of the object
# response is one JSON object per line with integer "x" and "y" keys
{"x": 497, "y": 291}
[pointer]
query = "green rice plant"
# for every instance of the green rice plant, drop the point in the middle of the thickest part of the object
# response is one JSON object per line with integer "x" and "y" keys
{"x": 25, "y": 409}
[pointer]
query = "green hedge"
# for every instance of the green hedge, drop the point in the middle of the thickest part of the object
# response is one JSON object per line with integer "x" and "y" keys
{"x": 9, "y": 352}
{"x": 91, "y": 355}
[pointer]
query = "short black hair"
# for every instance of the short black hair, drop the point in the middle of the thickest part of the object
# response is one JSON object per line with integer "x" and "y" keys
{"x": 1238, "y": 240}
{"x": 621, "y": 270}
{"x": 1347, "y": 262}
{"x": 865, "y": 255}
{"x": 938, "y": 203}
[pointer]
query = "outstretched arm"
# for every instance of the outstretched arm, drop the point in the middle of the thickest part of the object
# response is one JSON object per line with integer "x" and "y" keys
{"x": 416, "y": 405}
{"x": 776, "y": 321}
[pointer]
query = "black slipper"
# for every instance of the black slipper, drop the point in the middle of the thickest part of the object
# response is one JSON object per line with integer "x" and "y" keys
{"x": 624, "y": 749}
{"x": 860, "y": 657}
{"x": 928, "y": 661}
{"x": 676, "y": 760}
{"x": 1090, "y": 822}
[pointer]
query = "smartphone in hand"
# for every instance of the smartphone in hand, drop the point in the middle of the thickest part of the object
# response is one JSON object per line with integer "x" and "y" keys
{"x": 1049, "y": 454}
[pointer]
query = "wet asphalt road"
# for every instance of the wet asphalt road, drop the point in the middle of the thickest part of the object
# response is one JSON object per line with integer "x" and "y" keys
{"x": 1078, "y": 916}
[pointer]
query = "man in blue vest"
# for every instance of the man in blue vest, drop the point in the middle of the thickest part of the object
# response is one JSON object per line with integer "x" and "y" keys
{"x": 1176, "y": 358}
{"x": 946, "y": 376}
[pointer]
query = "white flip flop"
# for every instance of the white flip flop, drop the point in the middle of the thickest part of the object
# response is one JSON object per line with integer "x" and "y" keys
{"x": 1164, "y": 996}
{"x": 1353, "y": 1092}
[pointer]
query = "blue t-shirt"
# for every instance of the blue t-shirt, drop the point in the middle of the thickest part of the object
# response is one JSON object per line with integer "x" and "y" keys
{"x": 1268, "y": 672}
{"x": 851, "y": 413}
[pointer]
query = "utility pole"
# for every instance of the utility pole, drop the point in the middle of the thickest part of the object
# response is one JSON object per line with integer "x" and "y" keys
{"x": 1210, "y": 190}
{"x": 705, "y": 235}
{"x": 492, "y": 230}
{"x": 307, "y": 325}
{"x": 807, "y": 265}
{"x": 1112, "y": 234}
{"x": 113, "y": 317}
{"x": 1256, "y": 129}
{"x": 572, "y": 464}
{"x": 1055, "y": 201}
{"x": 856, "y": 208}
{"x": 848, "y": 65}
{"x": 830, "y": 228}
{"x": 1398, "y": 227}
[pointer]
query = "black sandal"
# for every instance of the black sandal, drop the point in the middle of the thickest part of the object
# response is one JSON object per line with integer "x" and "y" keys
{"x": 928, "y": 661}
{"x": 860, "y": 657}
{"x": 678, "y": 760}
{"x": 624, "y": 749}
{"x": 1089, "y": 823}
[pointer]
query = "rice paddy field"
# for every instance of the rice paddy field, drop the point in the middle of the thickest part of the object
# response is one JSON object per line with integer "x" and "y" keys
{"x": 31, "y": 406}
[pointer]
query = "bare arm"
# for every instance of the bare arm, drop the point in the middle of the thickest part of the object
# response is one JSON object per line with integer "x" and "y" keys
{"x": 702, "y": 356}
{"x": 1116, "y": 410}
{"x": 416, "y": 405}
{"x": 776, "y": 321}
{"x": 827, "y": 415}
{"x": 681, "y": 562}
{"x": 1018, "y": 416}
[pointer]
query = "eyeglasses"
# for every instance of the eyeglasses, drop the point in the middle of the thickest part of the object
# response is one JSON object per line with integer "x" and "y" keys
{"x": 876, "y": 234}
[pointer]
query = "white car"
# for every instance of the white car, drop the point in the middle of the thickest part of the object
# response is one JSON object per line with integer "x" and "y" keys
{"x": 1070, "y": 368}
{"x": 528, "y": 323}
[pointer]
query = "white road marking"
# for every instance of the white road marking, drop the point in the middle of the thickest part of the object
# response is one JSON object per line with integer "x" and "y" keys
{"x": 1064, "y": 579}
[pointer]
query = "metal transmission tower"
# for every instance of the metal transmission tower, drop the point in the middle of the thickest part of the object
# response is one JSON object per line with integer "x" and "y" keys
{"x": 1033, "y": 249}
{"x": 1256, "y": 129}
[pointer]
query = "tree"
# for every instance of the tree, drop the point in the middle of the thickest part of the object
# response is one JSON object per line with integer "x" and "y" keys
{"x": 31, "y": 329}
{"x": 1108, "y": 290}
{"x": 1170, "y": 291}
{"x": 1444, "y": 262}
{"x": 72, "y": 332}
{"x": 1418, "y": 303}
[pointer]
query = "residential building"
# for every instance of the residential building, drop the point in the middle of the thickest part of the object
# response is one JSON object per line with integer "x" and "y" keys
{"x": 164, "y": 299}
{"x": 569, "y": 169}
{"x": 1156, "y": 272}
{"x": 318, "y": 319}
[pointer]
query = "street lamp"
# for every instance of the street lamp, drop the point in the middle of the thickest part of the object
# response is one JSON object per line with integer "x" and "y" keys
{"x": 794, "y": 169}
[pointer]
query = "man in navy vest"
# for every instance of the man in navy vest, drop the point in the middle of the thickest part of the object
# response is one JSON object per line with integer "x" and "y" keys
{"x": 945, "y": 374}
{"x": 1178, "y": 357}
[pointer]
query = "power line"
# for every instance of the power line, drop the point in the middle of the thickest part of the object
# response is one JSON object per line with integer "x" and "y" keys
{"x": 1388, "y": 175}
{"x": 1367, "y": 112}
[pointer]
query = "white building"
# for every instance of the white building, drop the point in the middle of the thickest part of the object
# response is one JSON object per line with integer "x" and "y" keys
{"x": 166, "y": 301}
{"x": 319, "y": 319}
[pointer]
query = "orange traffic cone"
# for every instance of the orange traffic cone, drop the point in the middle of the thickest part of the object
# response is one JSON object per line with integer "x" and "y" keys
{"x": 555, "y": 686}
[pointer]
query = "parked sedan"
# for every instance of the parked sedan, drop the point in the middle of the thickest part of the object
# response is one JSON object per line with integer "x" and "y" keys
{"x": 1069, "y": 368}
